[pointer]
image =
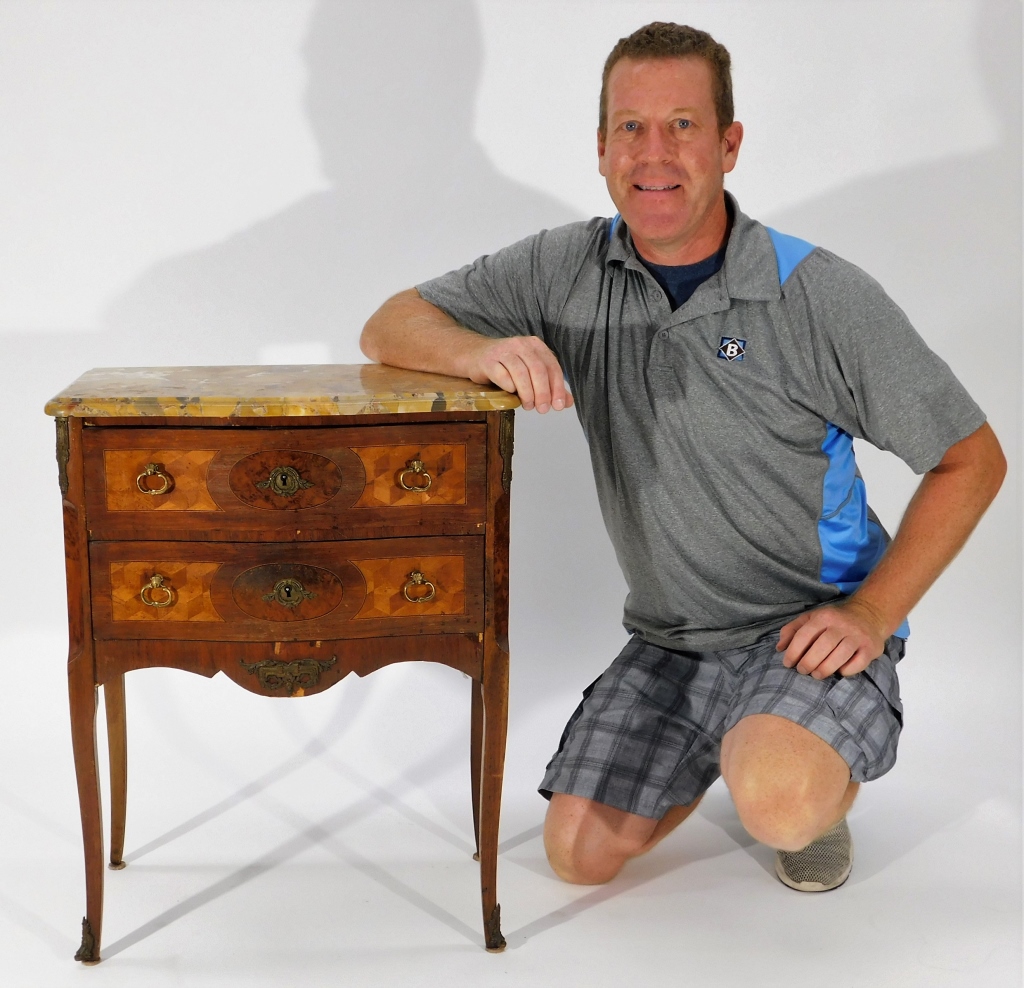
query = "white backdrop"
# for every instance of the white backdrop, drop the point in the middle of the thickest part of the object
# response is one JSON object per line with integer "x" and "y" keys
{"x": 244, "y": 181}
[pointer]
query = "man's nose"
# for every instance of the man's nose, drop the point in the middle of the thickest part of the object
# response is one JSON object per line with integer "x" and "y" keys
{"x": 655, "y": 145}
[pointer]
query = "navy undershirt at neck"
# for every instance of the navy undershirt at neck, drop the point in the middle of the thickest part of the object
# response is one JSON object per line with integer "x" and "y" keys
{"x": 680, "y": 281}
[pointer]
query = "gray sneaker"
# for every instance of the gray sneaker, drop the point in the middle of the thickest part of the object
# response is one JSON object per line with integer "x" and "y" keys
{"x": 824, "y": 864}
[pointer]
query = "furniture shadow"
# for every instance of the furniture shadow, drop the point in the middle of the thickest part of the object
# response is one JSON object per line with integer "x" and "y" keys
{"x": 323, "y": 833}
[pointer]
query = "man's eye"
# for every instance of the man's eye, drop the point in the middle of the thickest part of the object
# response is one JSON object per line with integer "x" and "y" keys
{"x": 630, "y": 126}
{"x": 682, "y": 124}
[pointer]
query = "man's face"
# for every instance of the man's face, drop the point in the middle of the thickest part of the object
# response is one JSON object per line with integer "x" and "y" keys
{"x": 664, "y": 158}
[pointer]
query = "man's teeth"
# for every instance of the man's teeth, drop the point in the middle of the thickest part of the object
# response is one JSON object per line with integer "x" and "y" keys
{"x": 657, "y": 188}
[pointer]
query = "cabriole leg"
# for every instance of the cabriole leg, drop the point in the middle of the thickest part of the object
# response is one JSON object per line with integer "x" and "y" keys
{"x": 83, "y": 695}
{"x": 495, "y": 703}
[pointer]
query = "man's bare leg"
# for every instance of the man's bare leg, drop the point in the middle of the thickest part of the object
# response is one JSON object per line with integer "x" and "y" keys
{"x": 788, "y": 785}
{"x": 587, "y": 842}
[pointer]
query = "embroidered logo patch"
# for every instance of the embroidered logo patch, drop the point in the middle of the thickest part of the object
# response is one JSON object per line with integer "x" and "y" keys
{"x": 732, "y": 348}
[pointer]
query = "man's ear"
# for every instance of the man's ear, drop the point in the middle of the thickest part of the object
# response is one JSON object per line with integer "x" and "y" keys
{"x": 732, "y": 138}
{"x": 600, "y": 150}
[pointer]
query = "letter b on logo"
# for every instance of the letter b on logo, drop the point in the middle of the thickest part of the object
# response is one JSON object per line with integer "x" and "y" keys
{"x": 732, "y": 348}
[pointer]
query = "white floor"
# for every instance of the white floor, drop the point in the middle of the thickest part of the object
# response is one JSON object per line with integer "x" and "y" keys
{"x": 327, "y": 842}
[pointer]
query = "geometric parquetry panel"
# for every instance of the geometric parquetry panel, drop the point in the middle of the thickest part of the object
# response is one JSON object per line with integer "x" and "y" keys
{"x": 190, "y": 582}
{"x": 446, "y": 465}
{"x": 186, "y": 467}
{"x": 385, "y": 579}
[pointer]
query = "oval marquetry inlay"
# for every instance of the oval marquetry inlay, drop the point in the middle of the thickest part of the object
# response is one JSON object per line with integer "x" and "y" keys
{"x": 285, "y": 479}
{"x": 287, "y": 592}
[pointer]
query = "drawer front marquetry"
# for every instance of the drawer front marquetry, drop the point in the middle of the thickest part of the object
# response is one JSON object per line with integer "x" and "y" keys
{"x": 393, "y": 589}
{"x": 154, "y": 483}
{"x": 287, "y": 592}
{"x": 412, "y": 475}
{"x": 182, "y": 592}
{"x": 132, "y": 483}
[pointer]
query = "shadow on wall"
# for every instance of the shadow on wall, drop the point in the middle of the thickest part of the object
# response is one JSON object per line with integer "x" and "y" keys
{"x": 390, "y": 97}
{"x": 412, "y": 194}
{"x": 944, "y": 239}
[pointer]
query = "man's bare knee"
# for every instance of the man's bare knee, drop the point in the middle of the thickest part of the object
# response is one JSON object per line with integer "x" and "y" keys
{"x": 587, "y": 843}
{"x": 788, "y": 785}
{"x": 785, "y": 820}
{"x": 582, "y": 870}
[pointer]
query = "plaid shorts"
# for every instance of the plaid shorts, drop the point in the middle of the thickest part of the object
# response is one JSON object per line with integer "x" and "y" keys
{"x": 648, "y": 732}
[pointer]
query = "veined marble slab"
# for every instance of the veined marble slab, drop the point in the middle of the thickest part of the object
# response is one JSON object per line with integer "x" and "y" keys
{"x": 264, "y": 391}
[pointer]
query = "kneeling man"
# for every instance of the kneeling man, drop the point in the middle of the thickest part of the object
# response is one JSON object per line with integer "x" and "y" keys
{"x": 720, "y": 370}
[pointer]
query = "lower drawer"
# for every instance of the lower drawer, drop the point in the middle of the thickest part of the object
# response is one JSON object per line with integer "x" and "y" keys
{"x": 287, "y": 591}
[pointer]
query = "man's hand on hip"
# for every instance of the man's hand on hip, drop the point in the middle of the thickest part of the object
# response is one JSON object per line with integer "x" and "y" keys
{"x": 844, "y": 638}
{"x": 522, "y": 364}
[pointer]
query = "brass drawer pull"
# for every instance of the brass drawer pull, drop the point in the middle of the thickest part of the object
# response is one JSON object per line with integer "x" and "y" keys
{"x": 154, "y": 470}
{"x": 415, "y": 467}
{"x": 417, "y": 579}
{"x": 166, "y": 593}
{"x": 289, "y": 593}
{"x": 284, "y": 481}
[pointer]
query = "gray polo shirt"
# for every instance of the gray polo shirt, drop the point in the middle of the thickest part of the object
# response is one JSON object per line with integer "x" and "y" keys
{"x": 721, "y": 434}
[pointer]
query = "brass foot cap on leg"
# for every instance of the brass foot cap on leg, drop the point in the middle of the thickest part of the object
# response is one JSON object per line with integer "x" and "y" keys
{"x": 494, "y": 942}
{"x": 117, "y": 865}
{"x": 88, "y": 953}
{"x": 476, "y": 855}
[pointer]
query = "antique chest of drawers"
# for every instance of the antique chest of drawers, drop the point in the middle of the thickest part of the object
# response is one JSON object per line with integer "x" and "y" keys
{"x": 284, "y": 526}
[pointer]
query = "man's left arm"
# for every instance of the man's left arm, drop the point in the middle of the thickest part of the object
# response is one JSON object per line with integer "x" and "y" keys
{"x": 943, "y": 512}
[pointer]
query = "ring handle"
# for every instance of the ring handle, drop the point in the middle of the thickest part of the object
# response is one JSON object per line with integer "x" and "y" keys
{"x": 154, "y": 470}
{"x": 416, "y": 468}
{"x": 156, "y": 584}
{"x": 417, "y": 579}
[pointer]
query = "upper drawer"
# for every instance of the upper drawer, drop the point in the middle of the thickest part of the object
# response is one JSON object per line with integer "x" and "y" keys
{"x": 213, "y": 484}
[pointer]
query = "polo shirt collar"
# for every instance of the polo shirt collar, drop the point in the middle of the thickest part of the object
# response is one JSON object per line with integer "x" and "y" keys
{"x": 749, "y": 272}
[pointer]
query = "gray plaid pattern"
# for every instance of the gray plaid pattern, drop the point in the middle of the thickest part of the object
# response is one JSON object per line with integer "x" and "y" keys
{"x": 647, "y": 733}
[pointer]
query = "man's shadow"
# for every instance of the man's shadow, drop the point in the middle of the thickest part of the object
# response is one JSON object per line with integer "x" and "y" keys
{"x": 391, "y": 100}
{"x": 390, "y": 97}
{"x": 412, "y": 194}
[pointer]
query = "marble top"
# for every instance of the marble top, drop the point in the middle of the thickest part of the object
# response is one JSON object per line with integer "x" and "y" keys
{"x": 260, "y": 392}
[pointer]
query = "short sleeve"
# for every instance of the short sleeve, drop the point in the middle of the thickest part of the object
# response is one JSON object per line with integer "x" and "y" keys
{"x": 518, "y": 290}
{"x": 879, "y": 380}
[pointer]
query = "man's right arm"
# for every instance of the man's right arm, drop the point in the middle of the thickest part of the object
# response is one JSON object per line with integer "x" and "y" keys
{"x": 407, "y": 331}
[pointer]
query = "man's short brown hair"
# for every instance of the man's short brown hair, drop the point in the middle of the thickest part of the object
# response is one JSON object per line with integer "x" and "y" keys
{"x": 662, "y": 39}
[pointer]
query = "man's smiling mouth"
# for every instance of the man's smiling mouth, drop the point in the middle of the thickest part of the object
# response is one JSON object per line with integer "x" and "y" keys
{"x": 655, "y": 188}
